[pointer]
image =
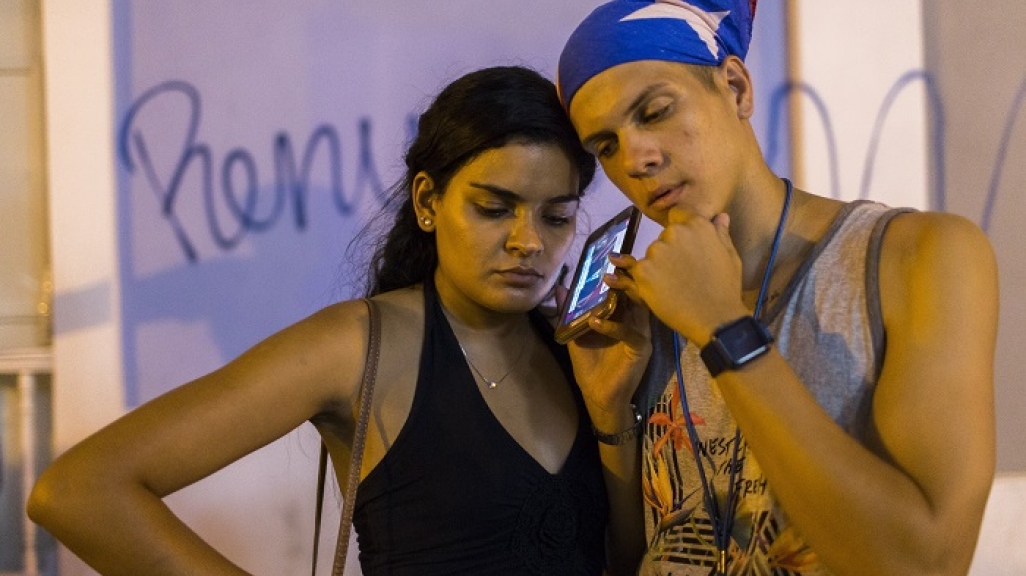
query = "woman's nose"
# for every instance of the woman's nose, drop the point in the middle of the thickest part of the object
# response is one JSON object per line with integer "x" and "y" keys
{"x": 524, "y": 236}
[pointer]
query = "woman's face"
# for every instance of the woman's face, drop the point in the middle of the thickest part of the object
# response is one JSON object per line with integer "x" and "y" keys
{"x": 503, "y": 227}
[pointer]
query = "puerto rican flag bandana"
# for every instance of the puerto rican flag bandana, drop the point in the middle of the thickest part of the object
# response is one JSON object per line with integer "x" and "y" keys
{"x": 700, "y": 32}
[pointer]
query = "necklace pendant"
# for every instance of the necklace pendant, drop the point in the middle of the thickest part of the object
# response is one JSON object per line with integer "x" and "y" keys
{"x": 493, "y": 384}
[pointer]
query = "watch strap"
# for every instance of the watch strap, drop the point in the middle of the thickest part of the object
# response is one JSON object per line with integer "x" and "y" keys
{"x": 719, "y": 356}
{"x": 714, "y": 358}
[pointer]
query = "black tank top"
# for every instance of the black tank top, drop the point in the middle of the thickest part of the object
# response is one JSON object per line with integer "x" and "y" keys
{"x": 456, "y": 494}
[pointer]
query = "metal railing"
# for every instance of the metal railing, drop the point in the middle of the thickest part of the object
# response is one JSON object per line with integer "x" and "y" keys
{"x": 26, "y": 366}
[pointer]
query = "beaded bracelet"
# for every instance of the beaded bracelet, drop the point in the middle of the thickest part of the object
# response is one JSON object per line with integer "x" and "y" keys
{"x": 623, "y": 437}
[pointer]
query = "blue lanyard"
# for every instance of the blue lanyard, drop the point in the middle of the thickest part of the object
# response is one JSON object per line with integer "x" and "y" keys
{"x": 723, "y": 521}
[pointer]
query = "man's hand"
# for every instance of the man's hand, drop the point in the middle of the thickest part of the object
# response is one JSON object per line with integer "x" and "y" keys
{"x": 690, "y": 277}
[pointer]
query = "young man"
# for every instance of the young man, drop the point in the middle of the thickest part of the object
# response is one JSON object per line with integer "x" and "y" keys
{"x": 836, "y": 358}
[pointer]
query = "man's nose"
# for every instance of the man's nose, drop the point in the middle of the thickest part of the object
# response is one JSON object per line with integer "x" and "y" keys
{"x": 641, "y": 156}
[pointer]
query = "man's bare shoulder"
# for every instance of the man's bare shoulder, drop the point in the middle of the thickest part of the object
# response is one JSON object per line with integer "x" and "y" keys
{"x": 935, "y": 238}
{"x": 936, "y": 258}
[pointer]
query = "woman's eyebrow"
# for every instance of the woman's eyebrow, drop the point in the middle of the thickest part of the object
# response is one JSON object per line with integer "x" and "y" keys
{"x": 511, "y": 196}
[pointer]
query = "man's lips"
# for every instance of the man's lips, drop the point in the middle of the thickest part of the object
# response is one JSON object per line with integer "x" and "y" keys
{"x": 665, "y": 197}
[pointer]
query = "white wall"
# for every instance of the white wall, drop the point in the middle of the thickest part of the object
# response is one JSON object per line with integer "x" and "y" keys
{"x": 79, "y": 111}
{"x": 23, "y": 242}
{"x": 23, "y": 254}
{"x": 978, "y": 65}
{"x": 855, "y": 60}
{"x": 1001, "y": 550}
{"x": 851, "y": 60}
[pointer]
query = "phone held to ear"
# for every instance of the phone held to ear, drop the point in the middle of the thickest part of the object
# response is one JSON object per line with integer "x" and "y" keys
{"x": 589, "y": 296}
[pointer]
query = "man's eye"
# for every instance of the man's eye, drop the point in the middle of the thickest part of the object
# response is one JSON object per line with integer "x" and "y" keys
{"x": 605, "y": 151}
{"x": 654, "y": 115}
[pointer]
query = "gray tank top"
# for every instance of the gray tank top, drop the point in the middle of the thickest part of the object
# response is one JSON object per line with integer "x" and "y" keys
{"x": 828, "y": 325}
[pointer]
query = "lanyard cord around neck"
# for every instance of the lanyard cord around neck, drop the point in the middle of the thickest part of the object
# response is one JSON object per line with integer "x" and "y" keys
{"x": 723, "y": 521}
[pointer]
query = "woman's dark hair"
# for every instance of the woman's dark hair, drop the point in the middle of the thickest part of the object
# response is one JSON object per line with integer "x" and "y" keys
{"x": 480, "y": 111}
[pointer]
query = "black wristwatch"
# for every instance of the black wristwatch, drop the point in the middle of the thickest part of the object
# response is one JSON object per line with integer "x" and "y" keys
{"x": 735, "y": 344}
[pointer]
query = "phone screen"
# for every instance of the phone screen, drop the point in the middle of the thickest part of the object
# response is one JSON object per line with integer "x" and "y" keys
{"x": 590, "y": 288}
{"x": 587, "y": 291}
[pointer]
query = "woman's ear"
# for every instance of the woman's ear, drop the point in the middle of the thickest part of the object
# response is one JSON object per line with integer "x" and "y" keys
{"x": 424, "y": 196}
{"x": 740, "y": 83}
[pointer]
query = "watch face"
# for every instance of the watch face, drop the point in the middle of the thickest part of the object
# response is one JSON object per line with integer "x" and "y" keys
{"x": 744, "y": 340}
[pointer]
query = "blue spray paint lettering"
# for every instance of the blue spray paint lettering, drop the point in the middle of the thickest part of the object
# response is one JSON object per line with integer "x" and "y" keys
{"x": 239, "y": 181}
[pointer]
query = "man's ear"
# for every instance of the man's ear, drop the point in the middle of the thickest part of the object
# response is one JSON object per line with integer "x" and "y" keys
{"x": 740, "y": 83}
{"x": 424, "y": 196}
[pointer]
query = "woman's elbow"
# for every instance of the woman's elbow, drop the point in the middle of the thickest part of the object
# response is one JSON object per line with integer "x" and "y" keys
{"x": 62, "y": 493}
{"x": 47, "y": 501}
{"x": 41, "y": 503}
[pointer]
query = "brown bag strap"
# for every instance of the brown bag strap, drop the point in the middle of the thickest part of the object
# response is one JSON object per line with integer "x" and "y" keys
{"x": 359, "y": 437}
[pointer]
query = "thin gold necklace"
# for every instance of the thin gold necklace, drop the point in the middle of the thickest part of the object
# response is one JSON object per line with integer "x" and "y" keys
{"x": 492, "y": 384}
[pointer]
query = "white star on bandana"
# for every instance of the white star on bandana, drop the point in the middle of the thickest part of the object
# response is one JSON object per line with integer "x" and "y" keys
{"x": 705, "y": 24}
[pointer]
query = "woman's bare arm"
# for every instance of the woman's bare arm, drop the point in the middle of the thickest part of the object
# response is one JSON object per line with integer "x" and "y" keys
{"x": 102, "y": 498}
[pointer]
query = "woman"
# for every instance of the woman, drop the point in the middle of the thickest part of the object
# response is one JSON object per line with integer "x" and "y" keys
{"x": 479, "y": 457}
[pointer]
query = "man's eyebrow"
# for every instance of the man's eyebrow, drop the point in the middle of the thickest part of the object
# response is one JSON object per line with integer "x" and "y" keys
{"x": 511, "y": 196}
{"x": 644, "y": 95}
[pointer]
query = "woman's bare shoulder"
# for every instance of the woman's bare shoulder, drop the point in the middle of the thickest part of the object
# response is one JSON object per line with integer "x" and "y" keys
{"x": 345, "y": 326}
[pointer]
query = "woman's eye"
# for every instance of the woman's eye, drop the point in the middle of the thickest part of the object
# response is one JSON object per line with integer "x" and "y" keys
{"x": 558, "y": 219}
{"x": 492, "y": 211}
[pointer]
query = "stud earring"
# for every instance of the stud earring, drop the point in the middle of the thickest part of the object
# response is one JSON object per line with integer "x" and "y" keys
{"x": 426, "y": 221}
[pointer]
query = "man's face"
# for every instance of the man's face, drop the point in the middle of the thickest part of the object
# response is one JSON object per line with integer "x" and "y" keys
{"x": 664, "y": 136}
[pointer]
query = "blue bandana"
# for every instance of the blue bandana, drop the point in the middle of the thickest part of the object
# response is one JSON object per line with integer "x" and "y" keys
{"x": 700, "y": 32}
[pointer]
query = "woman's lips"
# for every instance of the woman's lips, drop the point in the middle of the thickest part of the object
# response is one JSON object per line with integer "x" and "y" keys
{"x": 519, "y": 276}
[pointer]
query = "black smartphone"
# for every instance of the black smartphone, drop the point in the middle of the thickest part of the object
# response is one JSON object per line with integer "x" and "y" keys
{"x": 589, "y": 296}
